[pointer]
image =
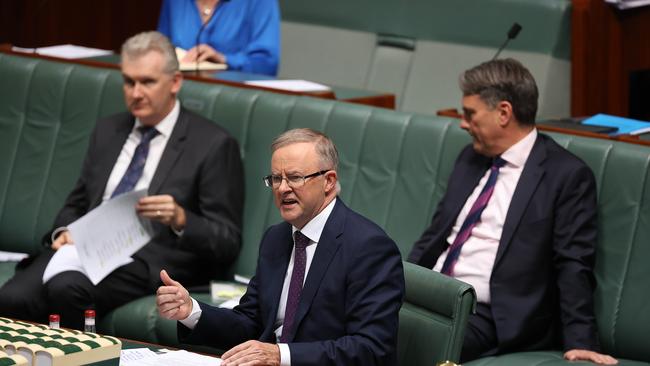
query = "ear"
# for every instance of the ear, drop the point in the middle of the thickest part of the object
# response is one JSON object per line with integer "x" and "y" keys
{"x": 177, "y": 82}
{"x": 504, "y": 108}
{"x": 331, "y": 178}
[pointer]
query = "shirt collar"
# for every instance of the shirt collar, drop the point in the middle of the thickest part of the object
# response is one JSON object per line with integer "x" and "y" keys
{"x": 314, "y": 228}
{"x": 166, "y": 125}
{"x": 518, "y": 153}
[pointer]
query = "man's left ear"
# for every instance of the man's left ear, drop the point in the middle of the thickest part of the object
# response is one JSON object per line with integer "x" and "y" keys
{"x": 330, "y": 181}
{"x": 505, "y": 112}
{"x": 177, "y": 82}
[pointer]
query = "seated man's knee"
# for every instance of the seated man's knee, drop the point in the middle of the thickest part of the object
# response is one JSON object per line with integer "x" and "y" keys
{"x": 68, "y": 287}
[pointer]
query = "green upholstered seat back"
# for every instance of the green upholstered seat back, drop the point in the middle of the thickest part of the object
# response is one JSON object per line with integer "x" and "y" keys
{"x": 415, "y": 49}
{"x": 622, "y": 302}
{"x": 47, "y": 111}
{"x": 433, "y": 317}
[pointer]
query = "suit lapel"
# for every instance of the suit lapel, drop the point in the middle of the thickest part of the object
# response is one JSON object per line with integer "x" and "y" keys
{"x": 114, "y": 143}
{"x": 328, "y": 245}
{"x": 526, "y": 187}
{"x": 173, "y": 150}
{"x": 277, "y": 273}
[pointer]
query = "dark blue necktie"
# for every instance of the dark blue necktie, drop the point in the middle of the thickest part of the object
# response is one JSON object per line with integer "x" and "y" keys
{"x": 473, "y": 218}
{"x": 136, "y": 166}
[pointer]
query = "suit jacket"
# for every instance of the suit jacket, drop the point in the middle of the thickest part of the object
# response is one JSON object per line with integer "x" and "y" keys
{"x": 348, "y": 310}
{"x": 542, "y": 280}
{"x": 200, "y": 167}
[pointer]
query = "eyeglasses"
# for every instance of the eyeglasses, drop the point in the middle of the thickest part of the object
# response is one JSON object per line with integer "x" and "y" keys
{"x": 294, "y": 181}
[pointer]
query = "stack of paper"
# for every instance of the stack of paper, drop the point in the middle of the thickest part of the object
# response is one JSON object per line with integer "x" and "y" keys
{"x": 66, "y": 51}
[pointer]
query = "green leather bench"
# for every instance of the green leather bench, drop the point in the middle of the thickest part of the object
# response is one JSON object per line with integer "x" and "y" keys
{"x": 416, "y": 49}
{"x": 394, "y": 169}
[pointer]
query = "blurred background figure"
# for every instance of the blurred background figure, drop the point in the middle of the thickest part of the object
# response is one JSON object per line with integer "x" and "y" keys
{"x": 244, "y": 34}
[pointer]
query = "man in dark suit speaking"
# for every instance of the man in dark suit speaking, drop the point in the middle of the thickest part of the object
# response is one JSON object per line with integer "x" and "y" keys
{"x": 328, "y": 285}
{"x": 194, "y": 176}
{"x": 518, "y": 222}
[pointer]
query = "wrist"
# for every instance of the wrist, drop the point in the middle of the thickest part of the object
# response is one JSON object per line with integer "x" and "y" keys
{"x": 178, "y": 224}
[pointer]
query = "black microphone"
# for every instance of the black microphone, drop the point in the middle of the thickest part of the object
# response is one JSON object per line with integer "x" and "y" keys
{"x": 512, "y": 34}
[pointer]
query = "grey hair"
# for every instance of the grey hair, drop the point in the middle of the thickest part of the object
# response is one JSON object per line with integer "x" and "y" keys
{"x": 325, "y": 148}
{"x": 143, "y": 43}
{"x": 503, "y": 80}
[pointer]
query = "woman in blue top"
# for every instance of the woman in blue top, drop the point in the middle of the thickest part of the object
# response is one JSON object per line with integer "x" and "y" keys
{"x": 245, "y": 34}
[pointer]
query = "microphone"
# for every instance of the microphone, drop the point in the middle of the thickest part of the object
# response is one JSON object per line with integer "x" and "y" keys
{"x": 512, "y": 34}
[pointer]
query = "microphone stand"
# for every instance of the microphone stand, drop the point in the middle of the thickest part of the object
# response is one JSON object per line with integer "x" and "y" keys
{"x": 198, "y": 39}
{"x": 512, "y": 34}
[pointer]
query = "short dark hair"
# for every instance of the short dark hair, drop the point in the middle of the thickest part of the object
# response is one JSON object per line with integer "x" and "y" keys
{"x": 503, "y": 80}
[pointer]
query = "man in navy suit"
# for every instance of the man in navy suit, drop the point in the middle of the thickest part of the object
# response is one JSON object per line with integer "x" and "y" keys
{"x": 347, "y": 311}
{"x": 518, "y": 222}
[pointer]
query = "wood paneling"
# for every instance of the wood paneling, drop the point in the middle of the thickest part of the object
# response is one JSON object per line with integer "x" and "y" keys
{"x": 607, "y": 43}
{"x": 94, "y": 23}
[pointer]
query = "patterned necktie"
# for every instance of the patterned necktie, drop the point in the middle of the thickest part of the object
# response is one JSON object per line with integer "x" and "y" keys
{"x": 295, "y": 286}
{"x": 473, "y": 218}
{"x": 136, "y": 166}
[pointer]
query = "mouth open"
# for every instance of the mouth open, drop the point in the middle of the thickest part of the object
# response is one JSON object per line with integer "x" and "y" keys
{"x": 288, "y": 202}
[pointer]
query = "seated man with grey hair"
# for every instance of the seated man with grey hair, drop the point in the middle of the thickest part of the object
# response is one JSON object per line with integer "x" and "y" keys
{"x": 329, "y": 283}
{"x": 193, "y": 173}
{"x": 518, "y": 222}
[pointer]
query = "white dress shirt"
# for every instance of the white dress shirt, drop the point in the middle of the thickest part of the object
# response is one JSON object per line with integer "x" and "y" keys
{"x": 477, "y": 255}
{"x": 312, "y": 230}
{"x": 156, "y": 148}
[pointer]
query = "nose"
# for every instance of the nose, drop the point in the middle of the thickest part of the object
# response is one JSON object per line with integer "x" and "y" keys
{"x": 284, "y": 186}
{"x": 137, "y": 90}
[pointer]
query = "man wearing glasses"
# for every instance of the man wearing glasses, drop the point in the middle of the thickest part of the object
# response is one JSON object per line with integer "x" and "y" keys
{"x": 329, "y": 283}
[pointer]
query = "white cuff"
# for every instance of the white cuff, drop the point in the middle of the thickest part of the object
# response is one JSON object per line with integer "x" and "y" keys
{"x": 56, "y": 233}
{"x": 192, "y": 319}
{"x": 285, "y": 354}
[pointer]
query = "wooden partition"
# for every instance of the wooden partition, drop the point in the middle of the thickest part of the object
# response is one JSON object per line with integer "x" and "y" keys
{"x": 607, "y": 44}
{"x": 101, "y": 24}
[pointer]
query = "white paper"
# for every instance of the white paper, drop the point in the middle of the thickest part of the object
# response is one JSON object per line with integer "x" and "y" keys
{"x": 626, "y": 4}
{"x": 175, "y": 358}
{"x": 104, "y": 239}
{"x": 130, "y": 356}
{"x": 230, "y": 304}
{"x": 67, "y": 51}
{"x": 291, "y": 85}
{"x": 12, "y": 256}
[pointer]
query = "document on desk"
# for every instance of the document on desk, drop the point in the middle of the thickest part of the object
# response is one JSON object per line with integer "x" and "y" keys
{"x": 290, "y": 85}
{"x": 172, "y": 358}
{"x": 104, "y": 239}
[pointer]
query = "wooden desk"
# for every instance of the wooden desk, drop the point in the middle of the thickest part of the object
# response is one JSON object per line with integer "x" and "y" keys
{"x": 236, "y": 79}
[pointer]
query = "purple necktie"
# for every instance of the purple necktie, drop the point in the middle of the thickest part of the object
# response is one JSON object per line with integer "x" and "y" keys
{"x": 136, "y": 166}
{"x": 295, "y": 287}
{"x": 473, "y": 218}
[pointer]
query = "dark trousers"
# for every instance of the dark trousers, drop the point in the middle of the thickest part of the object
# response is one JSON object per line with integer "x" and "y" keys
{"x": 480, "y": 335}
{"x": 69, "y": 293}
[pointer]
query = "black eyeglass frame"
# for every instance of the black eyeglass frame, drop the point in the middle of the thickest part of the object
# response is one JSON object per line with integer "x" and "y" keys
{"x": 268, "y": 180}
